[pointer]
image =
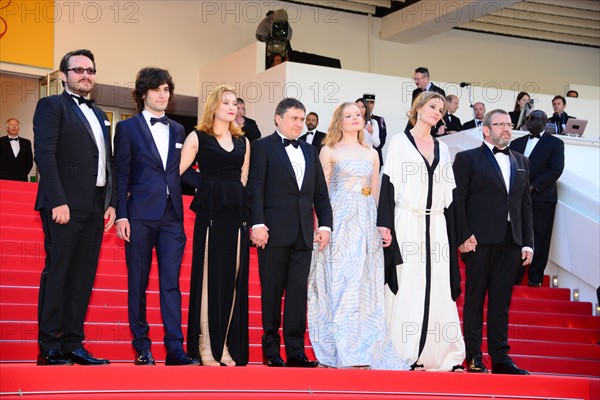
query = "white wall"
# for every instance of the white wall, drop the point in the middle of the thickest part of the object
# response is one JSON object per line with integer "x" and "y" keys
{"x": 184, "y": 35}
{"x": 18, "y": 99}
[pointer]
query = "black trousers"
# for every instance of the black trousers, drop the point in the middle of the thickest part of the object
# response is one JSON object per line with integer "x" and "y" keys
{"x": 284, "y": 269}
{"x": 492, "y": 270}
{"x": 543, "y": 221}
{"x": 72, "y": 252}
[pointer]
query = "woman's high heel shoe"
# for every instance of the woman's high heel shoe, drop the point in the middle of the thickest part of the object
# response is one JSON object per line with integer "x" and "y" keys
{"x": 206, "y": 354}
{"x": 226, "y": 358}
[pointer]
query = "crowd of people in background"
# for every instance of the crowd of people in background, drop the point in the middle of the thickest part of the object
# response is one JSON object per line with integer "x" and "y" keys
{"x": 375, "y": 275}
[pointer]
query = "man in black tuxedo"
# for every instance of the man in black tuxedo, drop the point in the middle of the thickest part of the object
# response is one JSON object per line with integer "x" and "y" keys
{"x": 479, "y": 110}
{"x": 312, "y": 135}
{"x": 370, "y": 99}
{"x": 286, "y": 182}
{"x": 450, "y": 123}
{"x": 76, "y": 200}
{"x": 248, "y": 125}
{"x": 546, "y": 154}
{"x": 560, "y": 117}
{"x": 493, "y": 205}
{"x": 150, "y": 211}
{"x": 16, "y": 158}
{"x": 421, "y": 79}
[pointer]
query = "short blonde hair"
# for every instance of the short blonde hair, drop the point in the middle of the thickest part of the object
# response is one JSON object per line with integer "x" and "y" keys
{"x": 208, "y": 115}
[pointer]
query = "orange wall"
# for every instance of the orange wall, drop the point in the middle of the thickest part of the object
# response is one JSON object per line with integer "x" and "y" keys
{"x": 27, "y": 32}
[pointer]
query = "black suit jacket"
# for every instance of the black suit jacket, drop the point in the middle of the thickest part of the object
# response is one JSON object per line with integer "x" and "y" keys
{"x": 452, "y": 123}
{"x": 432, "y": 88}
{"x": 382, "y": 136}
{"x": 546, "y": 163}
{"x": 482, "y": 202}
{"x": 275, "y": 199}
{"x": 141, "y": 178}
{"x": 15, "y": 168}
{"x": 559, "y": 121}
{"x": 250, "y": 129}
{"x": 317, "y": 139}
{"x": 469, "y": 125}
{"x": 67, "y": 156}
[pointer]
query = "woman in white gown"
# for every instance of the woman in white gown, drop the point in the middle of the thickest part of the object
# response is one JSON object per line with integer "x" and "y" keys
{"x": 422, "y": 316}
{"x": 345, "y": 288}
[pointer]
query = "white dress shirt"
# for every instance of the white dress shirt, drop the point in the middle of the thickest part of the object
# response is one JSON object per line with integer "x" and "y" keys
{"x": 310, "y": 136}
{"x": 531, "y": 143}
{"x": 297, "y": 159}
{"x": 98, "y": 132}
{"x": 14, "y": 145}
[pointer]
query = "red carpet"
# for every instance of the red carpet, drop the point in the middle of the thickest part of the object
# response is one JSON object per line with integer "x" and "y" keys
{"x": 549, "y": 335}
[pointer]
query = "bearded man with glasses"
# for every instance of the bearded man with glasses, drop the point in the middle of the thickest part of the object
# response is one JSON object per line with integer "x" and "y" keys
{"x": 494, "y": 215}
{"x": 76, "y": 200}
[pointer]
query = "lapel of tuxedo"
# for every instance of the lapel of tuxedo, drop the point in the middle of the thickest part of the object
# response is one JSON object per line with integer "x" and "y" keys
{"x": 306, "y": 150}
{"x": 171, "y": 151}
{"x": 148, "y": 139}
{"x": 75, "y": 107}
{"x": 513, "y": 170}
{"x": 280, "y": 152}
{"x": 494, "y": 164}
{"x": 540, "y": 145}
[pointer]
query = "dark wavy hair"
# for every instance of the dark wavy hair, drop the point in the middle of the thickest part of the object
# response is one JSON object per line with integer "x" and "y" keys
{"x": 64, "y": 62}
{"x": 151, "y": 78}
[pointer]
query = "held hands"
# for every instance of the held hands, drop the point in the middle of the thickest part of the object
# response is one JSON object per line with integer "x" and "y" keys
{"x": 259, "y": 236}
{"x": 61, "y": 214}
{"x": 386, "y": 235}
{"x": 322, "y": 237}
{"x": 123, "y": 229}
{"x": 526, "y": 256}
{"x": 469, "y": 245}
{"x": 109, "y": 216}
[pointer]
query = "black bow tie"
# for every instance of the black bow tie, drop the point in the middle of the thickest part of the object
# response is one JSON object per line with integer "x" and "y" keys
{"x": 504, "y": 150}
{"x": 15, "y": 139}
{"x": 287, "y": 142}
{"x": 534, "y": 135}
{"x": 83, "y": 100}
{"x": 162, "y": 120}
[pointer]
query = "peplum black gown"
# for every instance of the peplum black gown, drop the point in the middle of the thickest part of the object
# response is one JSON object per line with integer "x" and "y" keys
{"x": 220, "y": 240}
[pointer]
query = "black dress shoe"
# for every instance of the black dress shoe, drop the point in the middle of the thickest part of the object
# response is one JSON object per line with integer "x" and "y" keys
{"x": 508, "y": 367}
{"x": 178, "y": 357}
{"x": 301, "y": 361}
{"x": 144, "y": 357}
{"x": 274, "y": 361}
{"x": 476, "y": 365}
{"x": 53, "y": 357}
{"x": 83, "y": 357}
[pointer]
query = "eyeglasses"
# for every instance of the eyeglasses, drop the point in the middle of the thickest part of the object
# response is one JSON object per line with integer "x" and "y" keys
{"x": 80, "y": 70}
{"x": 504, "y": 125}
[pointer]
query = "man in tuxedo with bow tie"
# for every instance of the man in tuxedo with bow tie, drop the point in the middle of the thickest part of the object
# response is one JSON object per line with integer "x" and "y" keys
{"x": 546, "y": 154}
{"x": 16, "y": 158}
{"x": 76, "y": 200}
{"x": 312, "y": 135}
{"x": 479, "y": 111}
{"x": 286, "y": 182}
{"x": 150, "y": 211}
{"x": 493, "y": 206}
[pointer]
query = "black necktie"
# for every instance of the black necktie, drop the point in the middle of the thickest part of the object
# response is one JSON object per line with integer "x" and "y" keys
{"x": 534, "y": 135}
{"x": 504, "y": 150}
{"x": 162, "y": 120}
{"x": 287, "y": 142}
{"x": 15, "y": 139}
{"x": 83, "y": 100}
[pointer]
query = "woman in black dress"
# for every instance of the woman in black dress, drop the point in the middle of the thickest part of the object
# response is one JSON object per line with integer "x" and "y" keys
{"x": 522, "y": 99}
{"x": 218, "y": 311}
